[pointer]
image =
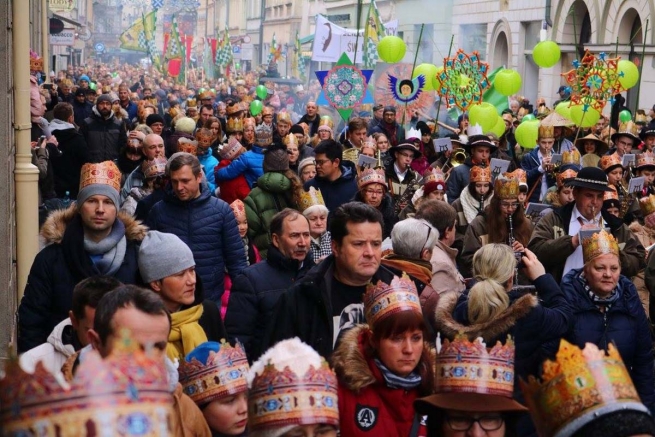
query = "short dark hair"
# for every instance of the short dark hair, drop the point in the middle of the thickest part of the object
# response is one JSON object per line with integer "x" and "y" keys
{"x": 207, "y": 106}
{"x": 62, "y": 111}
{"x": 438, "y": 213}
{"x": 357, "y": 123}
{"x": 125, "y": 296}
{"x": 331, "y": 149}
{"x": 89, "y": 291}
{"x": 352, "y": 212}
{"x": 181, "y": 160}
{"x": 277, "y": 222}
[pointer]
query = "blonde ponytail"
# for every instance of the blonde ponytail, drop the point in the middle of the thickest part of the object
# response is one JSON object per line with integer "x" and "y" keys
{"x": 493, "y": 267}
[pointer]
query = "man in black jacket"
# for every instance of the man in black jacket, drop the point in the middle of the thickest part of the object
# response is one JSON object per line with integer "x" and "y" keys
{"x": 255, "y": 292}
{"x": 105, "y": 135}
{"x": 328, "y": 300}
{"x": 71, "y": 154}
{"x": 81, "y": 108}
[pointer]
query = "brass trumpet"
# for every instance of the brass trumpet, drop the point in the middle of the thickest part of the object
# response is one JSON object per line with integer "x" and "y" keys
{"x": 457, "y": 158}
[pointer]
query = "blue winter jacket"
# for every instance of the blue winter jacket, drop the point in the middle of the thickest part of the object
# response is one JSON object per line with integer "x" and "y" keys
{"x": 337, "y": 192}
{"x": 208, "y": 163}
{"x": 530, "y": 163}
{"x": 207, "y": 225}
{"x": 625, "y": 324}
{"x": 249, "y": 164}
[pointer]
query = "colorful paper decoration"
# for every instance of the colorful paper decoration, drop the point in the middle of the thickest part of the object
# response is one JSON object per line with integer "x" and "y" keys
{"x": 463, "y": 80}
{"x": 546, "y": 54}
{"x": 392, "y": 49}
{"x": 406, "y": 90}
{"x": 384, "y": 95}
{"x": 345, "y": 86}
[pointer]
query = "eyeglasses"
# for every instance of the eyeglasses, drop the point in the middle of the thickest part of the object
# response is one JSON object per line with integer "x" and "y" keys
{"x": 320, "y": 162}
{"x": 509, "y": 205}
{"x": 487, "y": 423}
{"x": 428, "y": 237}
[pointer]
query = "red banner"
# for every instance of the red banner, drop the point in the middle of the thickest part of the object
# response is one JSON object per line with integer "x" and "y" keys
{"x": 174, "y": 67}
{"x": 214, "y": 43}
{"x": 167, "y": 36}
{"x": 187, "y": 41}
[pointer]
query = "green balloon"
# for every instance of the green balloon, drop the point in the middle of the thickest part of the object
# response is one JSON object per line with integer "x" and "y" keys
{"x": 507, "y": 82}
{"x": 256, "y": 106}
{"x": 628, "y": 74}
{"x": 499, "y": 127}
{"x": 485, "y": 115}
{"x": 526, "y": 134}
{"x": 391, "y": 49}
{"x": 564, "y": 109}
{"x": 584, "y": 118}
{"x": 546, "y": 54}
{"x": 625, "y": 116}
{"x": 528, "y": 118}
{"x": 93, "y": 85}
{"x": 261, "y": 92}
{"x": 429, "y": 71}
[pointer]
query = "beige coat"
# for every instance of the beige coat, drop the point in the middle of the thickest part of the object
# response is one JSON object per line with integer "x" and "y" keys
{"x": 647, "y": 238}
{"x": 445, "y": 276}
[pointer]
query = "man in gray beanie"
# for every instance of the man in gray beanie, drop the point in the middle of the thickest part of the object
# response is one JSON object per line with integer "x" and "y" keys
{"x": 104, "y": 134}
{"x": 87, "y": 239}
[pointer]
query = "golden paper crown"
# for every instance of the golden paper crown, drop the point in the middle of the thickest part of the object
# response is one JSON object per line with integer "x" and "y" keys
{"x": 284, "y": 117}
{"x": 611, "y": 194}
{"x": 562, "y": 177}
{"x": 469, "y": 367}
{"x": 104, "y": 173}
{"x": 480, "y": 174}
{"x": 371, "y": 176}
{"x": 267, "y": 111}
{"x": 382, "y": 300}
{"x": 188, "y": 146}
{"x": 263, "y": 135}
{"x": 433, "y": 175}
{"x": 326, "y": 121}
{"x": 152, "y": 168}
{"x": 601, "y": 243}
{"x": 506, "y": 187}
{"x": 571, "y": 157}
{"x": 205, "y": 95}
{"x": 125, "y": 394}
{"x": 646, "y": 159}
{"x": 351, "y": 155}
{"x": 223, "y": 372}
{"x": 233, "y": 109}
{"x": 191, "y": 103}
{"x": 291, "y": 140}
{"x": 249, "y": 121}
{"x": 647, "y": 205}
{"x": 641, "y": 118}
{"x": 519, "y": 174}
{"x": 231, "y": 149}
{"x": 546, "y": 132}
{"x": 608, "y": 161}
{"x": 576, "y": 386}
{"x": 281, "y": 398}
{"x": 238, "y": 208}
{"x": 36, "y": 64}
{"x": 628, "y": 128}
{"x": 234, "y": 124}
{"x": 310, "y": 198}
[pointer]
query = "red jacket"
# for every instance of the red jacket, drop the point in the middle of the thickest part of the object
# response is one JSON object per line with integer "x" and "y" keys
{"x": 367, "y": 407}
{"x": 232, "y": 189}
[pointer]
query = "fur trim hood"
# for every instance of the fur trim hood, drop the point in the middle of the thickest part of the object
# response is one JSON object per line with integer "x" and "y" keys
{"x": 489, "y": 331}
{"x": 54, "y": 227}
{"x": 352, "y": 366}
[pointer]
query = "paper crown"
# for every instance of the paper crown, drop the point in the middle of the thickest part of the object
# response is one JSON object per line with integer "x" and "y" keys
{"x": 474, "y": 129}
{"x": 369, "y": 142}
{"x": 249, "y": 122}
{"x": 571, "y": 157}
{"x": 221, "y": 371}
{"x": 191, "y": 103}
{"x": 206, "y": 95}
{"x": 234, "y": 124}
{"x": 238, "y": 208}
{"x": 188, "y": 146}
{"x": 611, "y": 194}
{"x": 609, "y": 161}
{"x": 546, "y": 132}
{"x": 284, "y": 117}
{"x": 383, "y": 300}
{"x": 627, "y": 128}
{"x": 433, "y": 176}
{"x": 641, "y": 119}
{"x": 565, "y": 176}
{"x": 103, "y": 173}
{"x": 310, "y": 198}
{"x": 263, "y": 135}
{"x": 125, "y": 394}
{"x": 267, "y": 110}
{"x": 577, "y": 387}
{"x": 413, "y": 133}
{"x": 519, "y": 174}
{"x": 203, "y": 133}
{"x": 480, "y": 174}
{"x": 371, "y": 176}
{"x": 233, "y": 109}
{"x": 231, "y": 149}
{"x": 506, "y": 187}
{"x": 600, "y": 243}
{"x": 152, "y": 168}
{"x": 291, "y": 140}
{"x": 469, "y": 367}
{"x": 326, "y": 122}
{"x": 280, "y": 397}
{"x": 647, "y": 205}
{"x": 646, "y": 159}
{"x": 36, "y": 63}
{"x": 351, "y": 155}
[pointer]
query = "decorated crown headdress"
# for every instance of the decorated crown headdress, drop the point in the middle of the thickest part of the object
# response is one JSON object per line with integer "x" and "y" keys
{"x": 249, "y": 121}
{"x": 104, "y": 173}
{"x": 382, "y": 300}
{"x": 628, "y": 128}
{"x": 566, "y": 175}
{"x": 645, "y": 159}
{"x": 310, "y": 198}
{"x": 290, "y": 140}
{"x": 152, "y": 168}
{"x": 647, "y": 204}
{"x": 188, "y": 146}
{"x": 413, "y": 133}
{"x": 480, "y": 174}
{"x": 326, "y": 122}
{"x": 231, "y": 149}
{"x": 234, "y": 124}
{"x": 611, "y": 194}
{"x": 546, "y": 132}
{"x": 519, "y": 174}
{"x": 238, "y": 208}
{"x": 578, "y": 386}
{"x": 434, "y": 176}
{"x": 506, "y": 187}
{"x": 36, "y": 62}
{"x": 371, "y": 176}
{"x": 571, "y": 157}
{"x": 263, "y": 135}
{"x": 600, "y": 243}
{"x": 284, "y": 117}
{"x": 607, "y": 161}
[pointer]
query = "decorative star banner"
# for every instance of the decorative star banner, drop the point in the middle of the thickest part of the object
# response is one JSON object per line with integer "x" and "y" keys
{"x": 463, "y": 80}
{"x": 406, "y": 91}
{"x": 344, "y": 87}
{"x": 594, "y": 81}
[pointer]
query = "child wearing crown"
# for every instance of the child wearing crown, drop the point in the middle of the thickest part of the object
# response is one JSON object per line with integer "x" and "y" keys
{"x": 231, "y": 189}
{"x": 204, "y": 137}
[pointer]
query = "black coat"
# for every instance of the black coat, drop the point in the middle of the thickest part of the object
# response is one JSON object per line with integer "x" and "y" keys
{"x": 81, "y": 111}
{"x": 105, "y": 138}
{"x": 305, "y": 309}
{"x": 59, "y": 267}
{"x": 254, "y": 294}
{"x": 67, "y": 164}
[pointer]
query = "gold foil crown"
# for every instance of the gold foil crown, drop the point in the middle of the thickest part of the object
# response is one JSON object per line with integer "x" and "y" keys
{"x": 188, "y": 146}
{"x": 628, "y": 127}
{"x": 546, "y": 132}
{"x": 382, "y": 300}
{"x": 291, "y": 140}
{"x": 249, "y": 121}
{"x": 263, "y": 135}
{"x": 647, "y": 205}
{"x": 191, "y": 103}
{"x": 607, "y": 161}
{"x": 231, "y": 149}
{"x": 571, "y": 157}
{"x": 465, "y": 366}
{"x": 519, "y": 174}
{"x": 310, "y": 198}
{"x": 152, "y": 168}
{"x": 480, "y": 174}
{"x": 600, "y": 243}
{"x": 326, "y": 121}
{"x": 506, "y": 188}
{"x": 576, "y": 386}
{"x": 284, "y": 117}
{"x": 223, "y": 373}
{"x": 103, "y": 173}
{"x": 566, "y": 175}
{"x": 371, "y": 176}
{"x": 433, "y": 176}
{"x": 646, "y": 159}
{"x": 234, "y": 124}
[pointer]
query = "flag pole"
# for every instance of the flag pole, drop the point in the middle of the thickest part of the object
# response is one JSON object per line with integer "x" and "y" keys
{"x": 418, "y": 46}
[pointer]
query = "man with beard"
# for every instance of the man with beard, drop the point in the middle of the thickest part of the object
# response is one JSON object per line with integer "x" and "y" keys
{"x": 388, "y": 126}
{"x": 125, "y": 102}
{"x": 311, "y": 118}
{"x": 104, "y": 134}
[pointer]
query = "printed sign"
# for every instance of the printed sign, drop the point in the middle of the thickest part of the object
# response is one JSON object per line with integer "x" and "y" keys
{"x": 442, "y": 144}
{"x": 64, "y": 38}
{"x": 62, "y": 5}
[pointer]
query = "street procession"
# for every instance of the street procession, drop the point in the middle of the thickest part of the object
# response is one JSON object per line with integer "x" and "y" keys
{"x": 267, "y": 218}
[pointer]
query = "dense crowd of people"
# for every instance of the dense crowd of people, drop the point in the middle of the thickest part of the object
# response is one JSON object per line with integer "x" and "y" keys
{"x": 290, "y": 275}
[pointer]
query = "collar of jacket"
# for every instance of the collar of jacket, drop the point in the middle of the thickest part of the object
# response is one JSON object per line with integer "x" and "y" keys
{"x": 205, "y": 195}
{"x": 582, "y": 302}
{"x": 276, "y": 259}
{"x": 390, "y": 173}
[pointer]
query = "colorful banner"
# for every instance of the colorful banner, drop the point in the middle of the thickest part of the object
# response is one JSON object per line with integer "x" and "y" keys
{"x": 373, "y": 32}
{"x": 134, "y": 38}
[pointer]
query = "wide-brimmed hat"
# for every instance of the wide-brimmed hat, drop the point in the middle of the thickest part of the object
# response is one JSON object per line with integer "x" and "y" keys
{"x": 647, "y": 131}
{"x": 479, "y": 140}
{"x": 592, "y": 178}
{"x": 601, "y": 146}
{"x": 473, "y": 402}
{"x": 627, "y": 129}
{"x": 406, "y": 146}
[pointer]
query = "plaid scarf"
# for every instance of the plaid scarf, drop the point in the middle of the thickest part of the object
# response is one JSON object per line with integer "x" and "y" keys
{"x": 322, "y": 246}
{"x": 602, "y": 303}
{"x": 392, "y": 380}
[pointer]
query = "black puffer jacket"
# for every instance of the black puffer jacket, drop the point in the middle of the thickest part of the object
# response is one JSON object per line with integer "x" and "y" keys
{"x": 105, "y": 137}
{"x": 67, "y": 164}
{"x": 254, "y": 294}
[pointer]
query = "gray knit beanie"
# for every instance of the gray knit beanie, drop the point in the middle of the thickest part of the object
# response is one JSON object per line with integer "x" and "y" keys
{"x": 162, "y": 255}
{"x": 99, "y": 189}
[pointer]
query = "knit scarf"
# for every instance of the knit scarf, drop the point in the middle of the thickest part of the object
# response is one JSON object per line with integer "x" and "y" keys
{"x": 470, "y": 205}
{"x": 108, "y": 254}
{"x": 392, "y": 380}
{"x": 602, "y": 303}
{"x": 186, "y": 334}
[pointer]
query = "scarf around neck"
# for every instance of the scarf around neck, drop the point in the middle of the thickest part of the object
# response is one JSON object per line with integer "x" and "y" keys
{"x": 470, "y": 205}
{"x": 603, "y": 303}
{"x": 186, "y": 334}
{"x": 392, "y": 380}
{"x": 108, "y": 254}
